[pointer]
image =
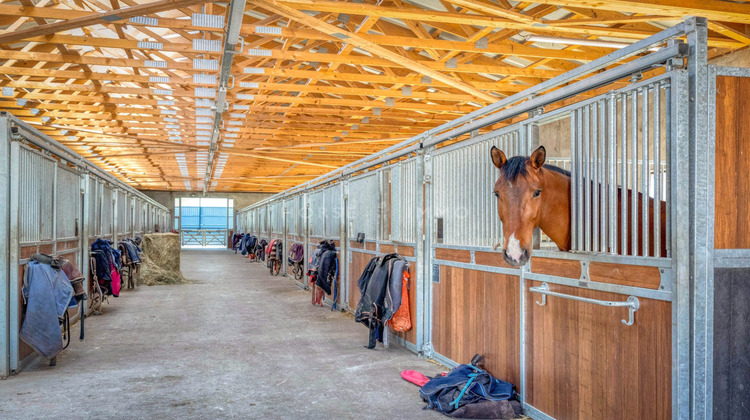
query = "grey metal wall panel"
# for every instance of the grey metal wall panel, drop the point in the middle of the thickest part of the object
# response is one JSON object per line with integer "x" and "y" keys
{"x": 68, "y": 206}
{"x": 364, "y": 206}
{"x": 95, "y": 209}
{"x": 37, "y": 174}
{"x": 122, "y": 212}
{"x": 107, "y": 210}
{"x": 332, "y": 197}
{"x": 317, "y": 213}
{"x": 403, "y": 201}
{"x": 276, "y": 216}
{"x": 292, "y": 208}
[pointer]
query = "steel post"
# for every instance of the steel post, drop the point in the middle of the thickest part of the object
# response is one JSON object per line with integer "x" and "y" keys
{"x": 701, "y": 227}
{"x": 5, "y": 295}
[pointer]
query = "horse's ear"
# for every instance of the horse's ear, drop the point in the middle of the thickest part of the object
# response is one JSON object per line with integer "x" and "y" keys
{"x": 537, "y": 158}
{"x": 498, "y": 157}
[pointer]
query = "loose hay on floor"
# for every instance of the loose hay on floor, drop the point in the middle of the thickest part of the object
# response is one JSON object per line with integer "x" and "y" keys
{"x": 161, "y": 260}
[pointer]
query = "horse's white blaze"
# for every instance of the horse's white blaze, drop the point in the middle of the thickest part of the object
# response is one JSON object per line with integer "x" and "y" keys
{"x": 514, "y": 248}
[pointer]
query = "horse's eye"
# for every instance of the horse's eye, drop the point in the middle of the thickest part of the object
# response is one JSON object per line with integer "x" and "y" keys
{"x": 496, "y": 194}
{"x": 537, "y": 192}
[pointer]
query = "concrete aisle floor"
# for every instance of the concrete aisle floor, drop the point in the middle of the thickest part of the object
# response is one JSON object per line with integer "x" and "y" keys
{"x": 239, "y": 344}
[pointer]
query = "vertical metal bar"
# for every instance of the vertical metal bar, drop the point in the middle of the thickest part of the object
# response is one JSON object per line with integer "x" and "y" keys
{"x": 5, "y": 260}
{"x": 612, "y": 168}
{"x": 645, "y": 232}
{"x": 422, "y": 235}
{"x": 603, "y": 166}
{"x": 595, "y": 166}
{"x": 469, "y": 203}
{"x": 581, "y": 178}
{"x": 633, "y": 163}
{"x": 668, "y": 158}
{"x": 701, "y": 218}
{"x": 83, "y": 233}
{"x": 55, "y": 188}
{"x": 343, "y": 245}
{"x": 587, "y": 181}
{"x": 573, "y": 179}
{"x": 624, "y": 174}
{"x": 14, "y": 257}
{"x": 680, "y": 192}
{"x": 306, "y": 210}
{"x": 657, "y": 169}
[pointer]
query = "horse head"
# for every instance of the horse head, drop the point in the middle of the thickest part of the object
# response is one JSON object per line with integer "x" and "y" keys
{"x": 523, "y": 204}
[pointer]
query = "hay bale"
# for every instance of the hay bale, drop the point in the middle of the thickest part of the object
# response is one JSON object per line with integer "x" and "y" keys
{"x": 161, "y": 259}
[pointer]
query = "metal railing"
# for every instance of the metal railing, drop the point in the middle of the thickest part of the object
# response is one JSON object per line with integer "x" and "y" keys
{"x": 632, "y": 303}
{"x": 203, "y": 237}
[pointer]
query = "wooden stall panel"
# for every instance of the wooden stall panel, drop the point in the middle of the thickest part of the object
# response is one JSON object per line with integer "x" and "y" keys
{"x": 478, "y": 312}
{"x": 556, "y": 267}
{"x": 493, "y": 259}
{"x": 458, "y": 255}
{"x": 387, "y": 249}
{"x": 732, "y": 222}
{"x": 356, "y": 267}
{"x": 411, "y": 335}
{"x": 583, "y": 363}
{"x": 405, "y": 250}
{"x": 626, "y": 275}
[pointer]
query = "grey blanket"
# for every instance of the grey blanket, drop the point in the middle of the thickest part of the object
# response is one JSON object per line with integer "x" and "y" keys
{"x": 47, "y": 292}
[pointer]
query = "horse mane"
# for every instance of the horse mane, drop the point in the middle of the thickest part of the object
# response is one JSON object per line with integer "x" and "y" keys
{"x": 516, "y": 166}
{"x": 557, "y": 169}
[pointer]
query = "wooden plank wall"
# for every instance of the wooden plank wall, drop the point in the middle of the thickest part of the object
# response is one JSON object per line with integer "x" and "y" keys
{"x": 478, "y": 312}
{"x": 583, "y": 363}
{"x": 732, "y": 230}
{"x": 732, "y": 189}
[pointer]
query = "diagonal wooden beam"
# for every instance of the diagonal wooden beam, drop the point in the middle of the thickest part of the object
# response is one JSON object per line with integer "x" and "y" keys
{"x": 729, "y": 32}
{"x": 98, "y": 18}
{"x": 276, "y": 7}
{"x": 434, "y": 18}
{"x": 711, "y": 9}
{"x": 491, "y": 9}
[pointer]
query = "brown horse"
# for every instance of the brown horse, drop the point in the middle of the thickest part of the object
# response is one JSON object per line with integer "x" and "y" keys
{"x": 533, "y": 195}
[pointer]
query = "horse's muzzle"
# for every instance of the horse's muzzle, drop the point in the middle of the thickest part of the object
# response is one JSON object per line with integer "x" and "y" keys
{"x": 517, "y": 263}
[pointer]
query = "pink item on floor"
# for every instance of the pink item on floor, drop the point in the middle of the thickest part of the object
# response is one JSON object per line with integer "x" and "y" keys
{"x": 115, "y": 282}
{"x": 414, "y": 377}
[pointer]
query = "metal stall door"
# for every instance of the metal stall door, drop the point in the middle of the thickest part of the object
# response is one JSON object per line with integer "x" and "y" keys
{"x": 295, "y": 213}
{"x": 402, "y": 187}
{"x": 362, "y": 211}
{"x": 471, "y": 295}
{"x": 33, "y": 227}
{"x": 69, "y": 214}
{"x": 5, "y": 177}
{"x": 600, "y": 318}
{"x": 287, "y": 235}
{"x": 333, "y": 212}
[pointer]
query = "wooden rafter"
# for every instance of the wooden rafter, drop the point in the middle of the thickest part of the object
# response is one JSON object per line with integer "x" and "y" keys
{"x": 319, "y": 83}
